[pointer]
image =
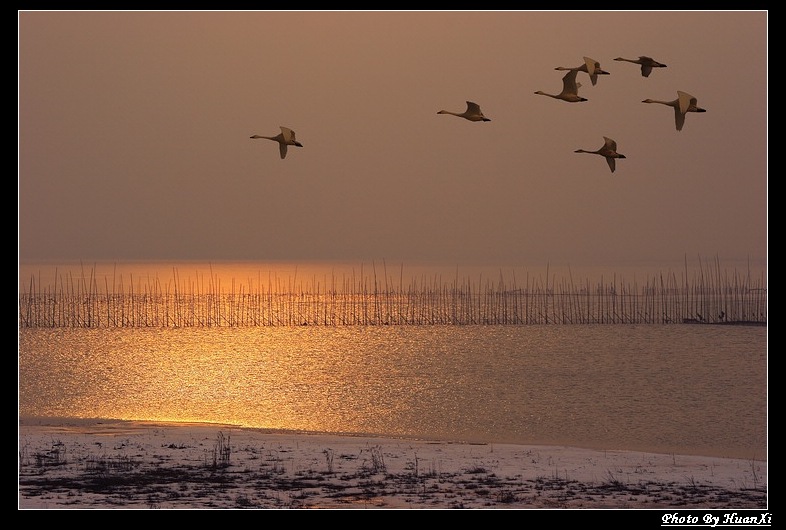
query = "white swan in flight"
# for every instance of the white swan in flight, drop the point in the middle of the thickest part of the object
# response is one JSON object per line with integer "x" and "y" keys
{"x": 609, "y": 151}
{"x": 682, "y": 105}
{"x": 647, "y": 64}
{"x": 284, "y": 138}
{"x": 591, "y": 66}
{"x": 472, "y": 113}
{"x": 570, "y": 89}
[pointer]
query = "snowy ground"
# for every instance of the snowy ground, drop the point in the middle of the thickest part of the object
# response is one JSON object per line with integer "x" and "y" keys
{"x": 80, "y": 464}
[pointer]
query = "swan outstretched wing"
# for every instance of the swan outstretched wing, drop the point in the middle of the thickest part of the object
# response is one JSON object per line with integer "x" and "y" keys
{"x": 646, "y": 65}
{"x": 592, "y": 65}
{"x": 288, "y": 135}
{"x": 593, "y": 68}
{"x": 685, "y": 100}
{"x": 679, "y": 118}
{"x": 569, "y": 85}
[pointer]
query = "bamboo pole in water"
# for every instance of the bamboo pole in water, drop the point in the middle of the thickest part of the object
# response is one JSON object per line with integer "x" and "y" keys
{"x": 711, "y": 295}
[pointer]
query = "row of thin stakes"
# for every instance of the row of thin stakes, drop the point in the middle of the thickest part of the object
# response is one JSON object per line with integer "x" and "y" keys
{"x": 708, "y": 296}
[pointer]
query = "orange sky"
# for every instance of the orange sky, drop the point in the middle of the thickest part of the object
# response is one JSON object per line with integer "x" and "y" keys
{"x": 134, "y": 137}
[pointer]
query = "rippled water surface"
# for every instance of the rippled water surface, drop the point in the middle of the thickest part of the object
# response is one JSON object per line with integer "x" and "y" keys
{"x": 667, "y": 388}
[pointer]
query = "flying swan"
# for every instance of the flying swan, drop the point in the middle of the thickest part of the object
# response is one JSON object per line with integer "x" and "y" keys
{"x": 284, "y": 138}
{"x": 570, "y": 89}
{"x": 472, "y": 113}
{"x": 591, "y": 66}
{"x": 609, "y": 151}
{"x": 647, "y": 64}
{"x": 682, "y": 105}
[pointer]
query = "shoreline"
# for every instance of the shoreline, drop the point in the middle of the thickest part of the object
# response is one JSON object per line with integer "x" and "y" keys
{"x": 75, "y": 423}
{"x": 95, "y": 463}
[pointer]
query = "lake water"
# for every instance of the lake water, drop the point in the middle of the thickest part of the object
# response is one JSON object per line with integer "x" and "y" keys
{"x": 692, "y": 389}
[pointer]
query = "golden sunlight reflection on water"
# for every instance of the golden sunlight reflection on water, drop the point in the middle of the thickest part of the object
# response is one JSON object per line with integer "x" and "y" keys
{"x": 648, "y": 387}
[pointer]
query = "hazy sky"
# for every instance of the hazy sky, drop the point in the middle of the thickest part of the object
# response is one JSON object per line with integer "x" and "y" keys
{"x": 134, "y": 137}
